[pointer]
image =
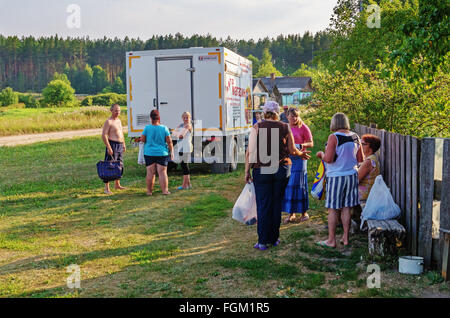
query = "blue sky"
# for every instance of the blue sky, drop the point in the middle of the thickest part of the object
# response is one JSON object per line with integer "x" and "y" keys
{"x": 240, "y": 19}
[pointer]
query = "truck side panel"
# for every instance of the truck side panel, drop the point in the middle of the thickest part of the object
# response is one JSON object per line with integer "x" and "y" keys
{"x": 141, "y": 89}
{"x": 208, "y": 91}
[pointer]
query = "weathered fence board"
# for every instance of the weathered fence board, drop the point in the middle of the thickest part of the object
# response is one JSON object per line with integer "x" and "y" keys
{"x": 393, "y": 151}
{"x": 397, "y": 168}
{"x": 382, "y": 152}
{"x": 402, "y": 183}
{"x": 408, "y": 192}
{"x": 415, "y": 155}
{"x": 426, "y": 199}
{"x": 445, "y": 213}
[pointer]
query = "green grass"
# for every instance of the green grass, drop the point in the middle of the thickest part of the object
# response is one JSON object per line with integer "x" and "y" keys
{"x": 53, "y": 213}
{"x": 17, "y": 121}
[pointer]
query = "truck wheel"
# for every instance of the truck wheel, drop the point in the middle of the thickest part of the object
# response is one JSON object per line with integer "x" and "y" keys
{"x": 220, "y": 168}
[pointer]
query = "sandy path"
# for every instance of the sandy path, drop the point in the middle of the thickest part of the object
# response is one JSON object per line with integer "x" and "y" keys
{"x": 32, "y": 138}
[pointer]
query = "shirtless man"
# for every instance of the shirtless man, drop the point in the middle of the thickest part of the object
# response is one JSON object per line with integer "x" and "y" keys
{"x": 114, "y": 140}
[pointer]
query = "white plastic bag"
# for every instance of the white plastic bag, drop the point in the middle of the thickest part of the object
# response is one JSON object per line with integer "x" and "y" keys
{"x": 141, "y": 160}
{"x": 244, "y": 209}
{"x": 380, "y": 205}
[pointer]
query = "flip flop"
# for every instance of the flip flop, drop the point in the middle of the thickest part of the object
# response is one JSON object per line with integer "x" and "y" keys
{"x": 342, "y": 242}
{"x": 277, "y": 243}
{"x": 324, "y": 244}
{"x": 289, "y": 220}
{"x": 260, "y": 247}
{"x": 304, "y": 218}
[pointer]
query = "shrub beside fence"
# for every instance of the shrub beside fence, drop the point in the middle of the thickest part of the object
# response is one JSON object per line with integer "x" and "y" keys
{"x": 409, "y": 167}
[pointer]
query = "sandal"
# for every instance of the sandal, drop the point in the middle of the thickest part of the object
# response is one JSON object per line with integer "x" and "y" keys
{"x": 342, "y": 242}
{"x": 324, "y": 244}
{"x": 260, "y": 247}
{"x": 289, "y": 219}
{"x": 304, "y": 218}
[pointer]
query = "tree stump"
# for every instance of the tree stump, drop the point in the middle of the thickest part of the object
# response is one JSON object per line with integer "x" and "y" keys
{"x": 385, "y": 237}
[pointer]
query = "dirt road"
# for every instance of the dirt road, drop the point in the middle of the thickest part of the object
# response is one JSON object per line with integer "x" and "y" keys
{"x": 32, "y": 138}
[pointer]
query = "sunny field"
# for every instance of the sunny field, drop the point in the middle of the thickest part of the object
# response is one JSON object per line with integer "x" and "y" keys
{"x": 53, "y": 213}
{"x": 18, "y": 121}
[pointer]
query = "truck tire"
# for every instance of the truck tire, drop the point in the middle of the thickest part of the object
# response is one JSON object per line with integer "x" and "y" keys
{"x": 220, "y": 168}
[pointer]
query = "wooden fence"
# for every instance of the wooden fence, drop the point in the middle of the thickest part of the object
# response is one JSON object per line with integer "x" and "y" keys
{"x": 408, "y": 169}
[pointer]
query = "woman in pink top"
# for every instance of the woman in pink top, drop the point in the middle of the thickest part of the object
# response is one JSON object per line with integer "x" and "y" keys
{"x": 296, "y": 194}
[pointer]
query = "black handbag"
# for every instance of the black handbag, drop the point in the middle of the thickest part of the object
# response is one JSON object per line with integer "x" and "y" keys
{"x": 109, "y": 170}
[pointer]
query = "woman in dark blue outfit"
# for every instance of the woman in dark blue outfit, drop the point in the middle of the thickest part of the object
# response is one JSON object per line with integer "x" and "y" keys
{"x": 270, "y": 177}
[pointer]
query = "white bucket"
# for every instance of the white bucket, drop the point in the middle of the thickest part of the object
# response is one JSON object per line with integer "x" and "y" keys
{"x": 410, "y": 265}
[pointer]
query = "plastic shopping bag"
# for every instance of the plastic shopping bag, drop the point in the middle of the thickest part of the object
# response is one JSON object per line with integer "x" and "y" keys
{"x": 141, "y": 160}
{"x": 379, "y": 205}
{"x": 244, "y": 209}
{"x": 318, "y": 188}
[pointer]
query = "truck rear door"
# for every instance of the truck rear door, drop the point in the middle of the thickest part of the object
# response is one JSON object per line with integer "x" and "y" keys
{"x": 174, "y": 80}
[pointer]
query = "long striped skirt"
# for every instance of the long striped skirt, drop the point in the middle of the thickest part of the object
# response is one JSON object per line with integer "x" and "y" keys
{"x": 296, "y": 194}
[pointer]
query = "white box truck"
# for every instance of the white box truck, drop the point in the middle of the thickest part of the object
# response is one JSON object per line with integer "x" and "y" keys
{"x": 213, "y": 84}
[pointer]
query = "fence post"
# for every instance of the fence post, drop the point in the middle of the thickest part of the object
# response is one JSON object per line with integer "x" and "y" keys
{"x": 427, "y": 155}
{"x": 445, "y": 212}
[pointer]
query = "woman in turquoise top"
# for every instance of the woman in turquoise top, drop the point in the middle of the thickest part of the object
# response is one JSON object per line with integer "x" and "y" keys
{"x": 158, "y": 148}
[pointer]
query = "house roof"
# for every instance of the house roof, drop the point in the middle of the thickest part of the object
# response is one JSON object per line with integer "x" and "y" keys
{"x": 255, "y": 82}
{"x": 284, "y": 83}
{"x": 288, "y": 90}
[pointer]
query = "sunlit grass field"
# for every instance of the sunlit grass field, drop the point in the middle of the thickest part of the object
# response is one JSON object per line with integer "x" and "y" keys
{"x": 17, "y": 121}
{"x": 53, "y": 213}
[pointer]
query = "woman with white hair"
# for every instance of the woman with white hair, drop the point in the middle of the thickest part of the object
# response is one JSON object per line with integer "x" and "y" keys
{"x": 271, "y": 176}
{"x": 342, "y": 154}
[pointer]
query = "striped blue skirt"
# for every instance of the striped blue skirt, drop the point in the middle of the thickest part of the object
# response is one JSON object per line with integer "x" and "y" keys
{"x": 296, "y": 194}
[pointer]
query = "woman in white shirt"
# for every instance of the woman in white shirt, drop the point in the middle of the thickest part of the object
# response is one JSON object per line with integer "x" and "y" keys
{"x": 342, "y": 154}
{"x": 185, "y": 148}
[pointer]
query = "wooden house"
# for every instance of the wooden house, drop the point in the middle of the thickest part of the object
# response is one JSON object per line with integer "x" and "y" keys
{"x": 292, "y": 90}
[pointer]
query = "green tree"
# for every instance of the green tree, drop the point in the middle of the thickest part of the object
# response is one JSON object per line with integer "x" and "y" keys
{"x": 118, "y": 86}
{"x": 266, "y": 68}
{"x": 84, "y": 80}
{"x": 426, "y": 46}
{"x": 99, "y": 79}
{"x": 255, "y": 63}
{"x": 58, "y": 93}
{"x": 304, "y": 70}
{"x": 9, "y": 97}
{"x": 353, "y": 41}
{"x": 63, "y": 77}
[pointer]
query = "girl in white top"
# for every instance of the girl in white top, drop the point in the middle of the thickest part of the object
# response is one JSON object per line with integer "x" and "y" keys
{"x": 343, "y": 152}
{"x": 185, "y": 147}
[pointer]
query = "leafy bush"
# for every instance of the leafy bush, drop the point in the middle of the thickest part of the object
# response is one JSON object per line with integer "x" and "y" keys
{"x": 8, "y": 97}
{"x": 383, "y": 97}
{"x": 29, "y": 100}
{"x": 106, "y": 99}
{"x": 59, "y": 93}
